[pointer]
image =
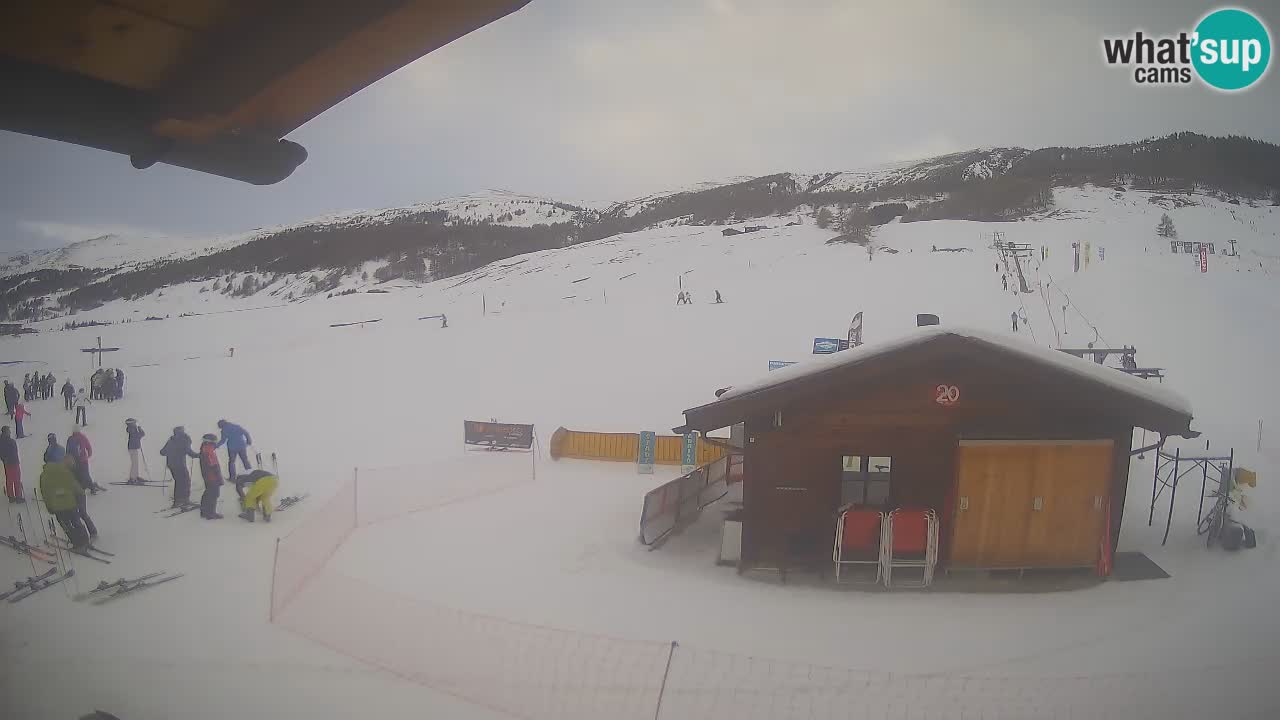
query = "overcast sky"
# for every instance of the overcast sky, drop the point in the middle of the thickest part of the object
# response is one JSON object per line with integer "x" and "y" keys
{"x": 610, "y": 99}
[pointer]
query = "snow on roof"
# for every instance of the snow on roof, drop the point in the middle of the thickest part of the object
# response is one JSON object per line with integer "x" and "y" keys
{"x": 1114, "y": 379}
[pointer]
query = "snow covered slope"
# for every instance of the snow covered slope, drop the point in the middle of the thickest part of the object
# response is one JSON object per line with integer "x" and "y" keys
{"x": 969, "y": 165}
{"x": 118, "y": 252}
{"x": 589, "y": 337}
{"x": 499, "y": 207}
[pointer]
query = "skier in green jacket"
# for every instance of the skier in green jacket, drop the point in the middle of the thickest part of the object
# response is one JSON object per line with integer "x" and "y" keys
{"x": 61, "y": 493}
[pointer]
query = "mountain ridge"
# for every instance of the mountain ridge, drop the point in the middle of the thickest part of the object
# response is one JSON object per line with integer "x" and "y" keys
{"x": 441, "y": 238}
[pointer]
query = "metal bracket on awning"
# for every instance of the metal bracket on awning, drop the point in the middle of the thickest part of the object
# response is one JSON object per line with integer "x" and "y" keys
{"x": 1157, "y": 446}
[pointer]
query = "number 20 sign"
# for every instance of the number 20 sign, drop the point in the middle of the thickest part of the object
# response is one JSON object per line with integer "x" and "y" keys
{"x": 946, "y": 395}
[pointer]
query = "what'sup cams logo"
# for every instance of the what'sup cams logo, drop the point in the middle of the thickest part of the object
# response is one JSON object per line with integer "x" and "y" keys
{"x": 1229, "y": 49}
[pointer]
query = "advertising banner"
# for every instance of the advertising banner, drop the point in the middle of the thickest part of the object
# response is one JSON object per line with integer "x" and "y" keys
{"x": 496, "y": 435}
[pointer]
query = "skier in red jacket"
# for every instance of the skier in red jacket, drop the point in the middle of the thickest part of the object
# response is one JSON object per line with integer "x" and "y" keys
{"x": 79, "y": 447}
{"x": 19, "y": 414}
{"x": 211, "y": 471}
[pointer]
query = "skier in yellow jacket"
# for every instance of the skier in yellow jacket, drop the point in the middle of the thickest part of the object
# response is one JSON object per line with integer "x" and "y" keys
{"x": 259, "y": 486}
{"x": 61, "y": 493}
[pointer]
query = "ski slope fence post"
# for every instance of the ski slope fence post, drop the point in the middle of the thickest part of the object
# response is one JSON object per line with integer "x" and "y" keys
{"x": 666, "y": 673}
{"x": 275, "y": 564}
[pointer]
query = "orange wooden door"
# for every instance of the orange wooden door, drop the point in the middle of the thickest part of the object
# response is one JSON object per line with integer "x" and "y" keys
{"x": 992, "y": 501}
{"x": 1030, "y": 504}
{"x": 1072, "y": 482}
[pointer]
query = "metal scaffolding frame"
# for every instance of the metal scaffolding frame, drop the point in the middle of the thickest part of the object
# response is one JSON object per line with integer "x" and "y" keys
{"x": 1209, "y": 522}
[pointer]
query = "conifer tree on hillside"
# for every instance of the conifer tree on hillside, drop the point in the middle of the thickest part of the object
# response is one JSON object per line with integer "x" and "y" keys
{"x": 855, "y": 226}
{"x": 824, "y": 218}
{"x": 1166, "y": 228}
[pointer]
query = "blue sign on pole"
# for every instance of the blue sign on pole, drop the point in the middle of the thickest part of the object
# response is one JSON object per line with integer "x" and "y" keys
{"x": 648, "y": 447}
{"x": 827, "y": 346}
{"x": 775, "y": 364}
{"x": 689, "y": 452}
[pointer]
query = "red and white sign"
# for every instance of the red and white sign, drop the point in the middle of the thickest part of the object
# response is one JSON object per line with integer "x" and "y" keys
{"x": 946, "y": 395}
{"x": 1204, "y": 258}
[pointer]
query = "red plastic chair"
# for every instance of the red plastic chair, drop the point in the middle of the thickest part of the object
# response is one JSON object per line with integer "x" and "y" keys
{"x": 912, "y": 540}
{"x": 860, "y": 535}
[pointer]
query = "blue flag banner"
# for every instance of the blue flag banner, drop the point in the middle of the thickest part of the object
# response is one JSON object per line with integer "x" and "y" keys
{"x": 827, "y": 346}
{"x": 648, "y": 447}
{"x": 689, "y": 452}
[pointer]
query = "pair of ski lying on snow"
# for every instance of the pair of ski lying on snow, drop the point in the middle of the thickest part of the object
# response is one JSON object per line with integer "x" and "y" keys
{"x": 104, "y": 592}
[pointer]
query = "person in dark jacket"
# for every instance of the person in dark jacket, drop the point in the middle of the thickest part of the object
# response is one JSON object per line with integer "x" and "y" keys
{"x": 59, "y": 487}
{"x": 10, "y": 398}
{"x": 77, "y": 454}
{"x": 12, "y": 467}
{"x": 237, "y": 440}
{"x": 176, "y": 451}
{"x": 134, "y": 433}
{"x": 211, "y": 472}
{"x": 119, "y": 383}
{"x": 68, "y": 395}
{"x": 54, "y": 452}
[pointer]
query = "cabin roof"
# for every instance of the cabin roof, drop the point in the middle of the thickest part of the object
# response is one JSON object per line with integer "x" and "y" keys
{"x": 1153, "y": 406}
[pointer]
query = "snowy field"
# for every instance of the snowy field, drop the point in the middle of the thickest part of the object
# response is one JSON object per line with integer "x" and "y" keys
{"x": 590, "y": 338}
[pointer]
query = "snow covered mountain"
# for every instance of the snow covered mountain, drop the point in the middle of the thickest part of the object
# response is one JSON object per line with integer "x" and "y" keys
{"x": 448, "y": 237}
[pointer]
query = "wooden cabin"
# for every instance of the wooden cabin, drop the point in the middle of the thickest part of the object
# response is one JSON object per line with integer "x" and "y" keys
{"x": 1022, "y": 452}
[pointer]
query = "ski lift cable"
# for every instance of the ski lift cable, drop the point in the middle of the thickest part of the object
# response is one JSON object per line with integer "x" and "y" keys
{"x": 1083, "y": 317}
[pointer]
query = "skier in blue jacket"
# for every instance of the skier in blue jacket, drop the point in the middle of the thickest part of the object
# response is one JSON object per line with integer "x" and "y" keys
{"x": 237, "y": 440}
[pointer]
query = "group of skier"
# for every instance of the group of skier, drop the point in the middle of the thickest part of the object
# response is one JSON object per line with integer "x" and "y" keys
{"x": 65, "y": 483}
{"x": 255, "y": 489}
{"x": 106, "y": 384}
{"x": 66, "y": 480}
{"x": 684, "y": 297}
{"x": 38, "y": 387}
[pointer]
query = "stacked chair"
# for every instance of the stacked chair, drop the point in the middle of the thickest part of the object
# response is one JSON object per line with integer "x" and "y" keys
{"x": 906, "y": 538}
{"x": 860, "y": 540}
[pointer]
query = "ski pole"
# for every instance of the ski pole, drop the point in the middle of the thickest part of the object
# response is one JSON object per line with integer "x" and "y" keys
{"x": 52, "y": 541}
{"x": 145, "y": 467}
{"x": 22, "y": 529}
{"x": 38, "y": 514}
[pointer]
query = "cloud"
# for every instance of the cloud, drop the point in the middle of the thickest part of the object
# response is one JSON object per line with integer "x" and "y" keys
{"x": 610, "y": 99}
